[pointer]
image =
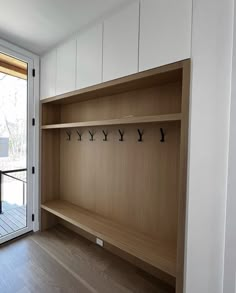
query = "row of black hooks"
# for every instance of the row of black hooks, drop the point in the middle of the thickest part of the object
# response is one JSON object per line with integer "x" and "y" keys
{"x": 121, "y": 132}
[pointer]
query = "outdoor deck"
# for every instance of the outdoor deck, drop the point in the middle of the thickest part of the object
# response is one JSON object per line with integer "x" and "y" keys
{"x": 12, "y": 219}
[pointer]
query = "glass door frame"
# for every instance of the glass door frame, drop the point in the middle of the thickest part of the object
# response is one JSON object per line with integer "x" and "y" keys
{"x": 32, "y": 193}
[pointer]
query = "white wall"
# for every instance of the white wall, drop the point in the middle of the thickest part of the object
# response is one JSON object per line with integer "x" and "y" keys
{"x": 208, "y": 145}
{"x": 230, "y": 241}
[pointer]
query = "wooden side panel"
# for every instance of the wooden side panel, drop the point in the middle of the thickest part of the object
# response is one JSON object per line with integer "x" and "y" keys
{"x": 50, "y": 173}
{"x": 50, "y": 165}
{"x": 48, "y": 220}
{"x": 133, "y": 183}
{"x": 164, "y": 99}
{"x": 51, "y": 114}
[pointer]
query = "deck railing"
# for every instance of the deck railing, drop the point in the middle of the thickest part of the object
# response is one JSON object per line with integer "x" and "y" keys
{"x": 6, "y": 173}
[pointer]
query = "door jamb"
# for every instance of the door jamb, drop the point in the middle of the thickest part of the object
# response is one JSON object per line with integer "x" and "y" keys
{"x": 35, "y": 157}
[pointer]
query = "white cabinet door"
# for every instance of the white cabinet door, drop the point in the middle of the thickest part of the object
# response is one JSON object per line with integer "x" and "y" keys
{"x": 48, "y": 75}
{"x": 66, "y": 67}
{"x": 165, "y": 32}
{"x": 89, "y": 57}
{"x": 120, "y": 43}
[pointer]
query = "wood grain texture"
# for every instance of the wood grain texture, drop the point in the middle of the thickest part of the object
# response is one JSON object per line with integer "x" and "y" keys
{"x": 112, "y": 178}
{"x": 12, "y": 219}
{"x": 12, "y": 66}
{"x": 121, "y": 121}
{"x": 50, "y": 165}
{"x": 13, "y": 61}
{"x": 13, "y": 71}
{"x": 149, "y": 101}
{"x": 134, "y": 243}
{"x": 50, "y": 114}
{"x": 25, "y": 267}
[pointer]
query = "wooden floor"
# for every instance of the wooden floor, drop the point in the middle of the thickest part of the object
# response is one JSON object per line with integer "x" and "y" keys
{"x": 59, "y": 260}
{"x": 12, "y": 219}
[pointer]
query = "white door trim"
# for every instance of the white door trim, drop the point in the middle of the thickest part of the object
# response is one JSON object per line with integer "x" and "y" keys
{"x": 33, "y": 131}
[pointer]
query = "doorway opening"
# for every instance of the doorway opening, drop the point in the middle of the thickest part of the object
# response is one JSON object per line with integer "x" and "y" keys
{"x": 15, "y": 206}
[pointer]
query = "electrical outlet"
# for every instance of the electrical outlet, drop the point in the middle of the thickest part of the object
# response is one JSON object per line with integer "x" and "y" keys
{"x": 99, "y": 242}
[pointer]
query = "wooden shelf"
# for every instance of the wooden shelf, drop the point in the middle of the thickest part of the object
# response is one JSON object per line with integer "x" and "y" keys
{"x": 126, "y": 120}
{"x": 159, "y": 255}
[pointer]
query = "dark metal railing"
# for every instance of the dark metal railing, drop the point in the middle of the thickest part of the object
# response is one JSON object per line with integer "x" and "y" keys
{"x": 6, "y": 173}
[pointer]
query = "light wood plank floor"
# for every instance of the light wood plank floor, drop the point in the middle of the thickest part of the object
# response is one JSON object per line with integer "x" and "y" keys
{"x": 12, "y": 219}
{"x": 59, "y": 260}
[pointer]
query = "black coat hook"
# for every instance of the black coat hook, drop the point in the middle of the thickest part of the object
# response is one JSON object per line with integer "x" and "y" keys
{"x": 121, "y": 135}
{"x": 92, "y": 135}
{"x": 162, "y": 135}
{"x": 105, "y": 134}
{"x": 140, "y": 135}
{"x": 79, "y": 134}
{"x": 68, "y": 134}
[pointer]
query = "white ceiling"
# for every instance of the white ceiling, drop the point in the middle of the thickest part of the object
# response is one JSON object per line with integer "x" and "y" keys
{"x": 38, "y": 25}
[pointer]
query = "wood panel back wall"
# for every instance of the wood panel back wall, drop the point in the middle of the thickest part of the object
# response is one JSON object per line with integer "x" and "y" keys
{"x": 162, "y": 99}
{"x": 130, "y": 182}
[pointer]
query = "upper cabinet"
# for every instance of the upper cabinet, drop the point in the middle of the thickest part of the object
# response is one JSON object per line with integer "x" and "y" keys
{"x": 143, "y": 35}
{"x": 165, "y": 32}
{"x": 48, "y": 75}
{"x": 66, "y": 67}
{"x": 89, "y": 57}
{"x": 120, "y": 43}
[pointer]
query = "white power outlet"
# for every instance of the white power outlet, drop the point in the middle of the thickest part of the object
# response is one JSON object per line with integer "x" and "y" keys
{"x": 99, "y": 242}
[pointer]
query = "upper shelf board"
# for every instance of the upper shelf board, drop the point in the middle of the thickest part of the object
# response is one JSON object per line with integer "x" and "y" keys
{"x": 121, "y": 121}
